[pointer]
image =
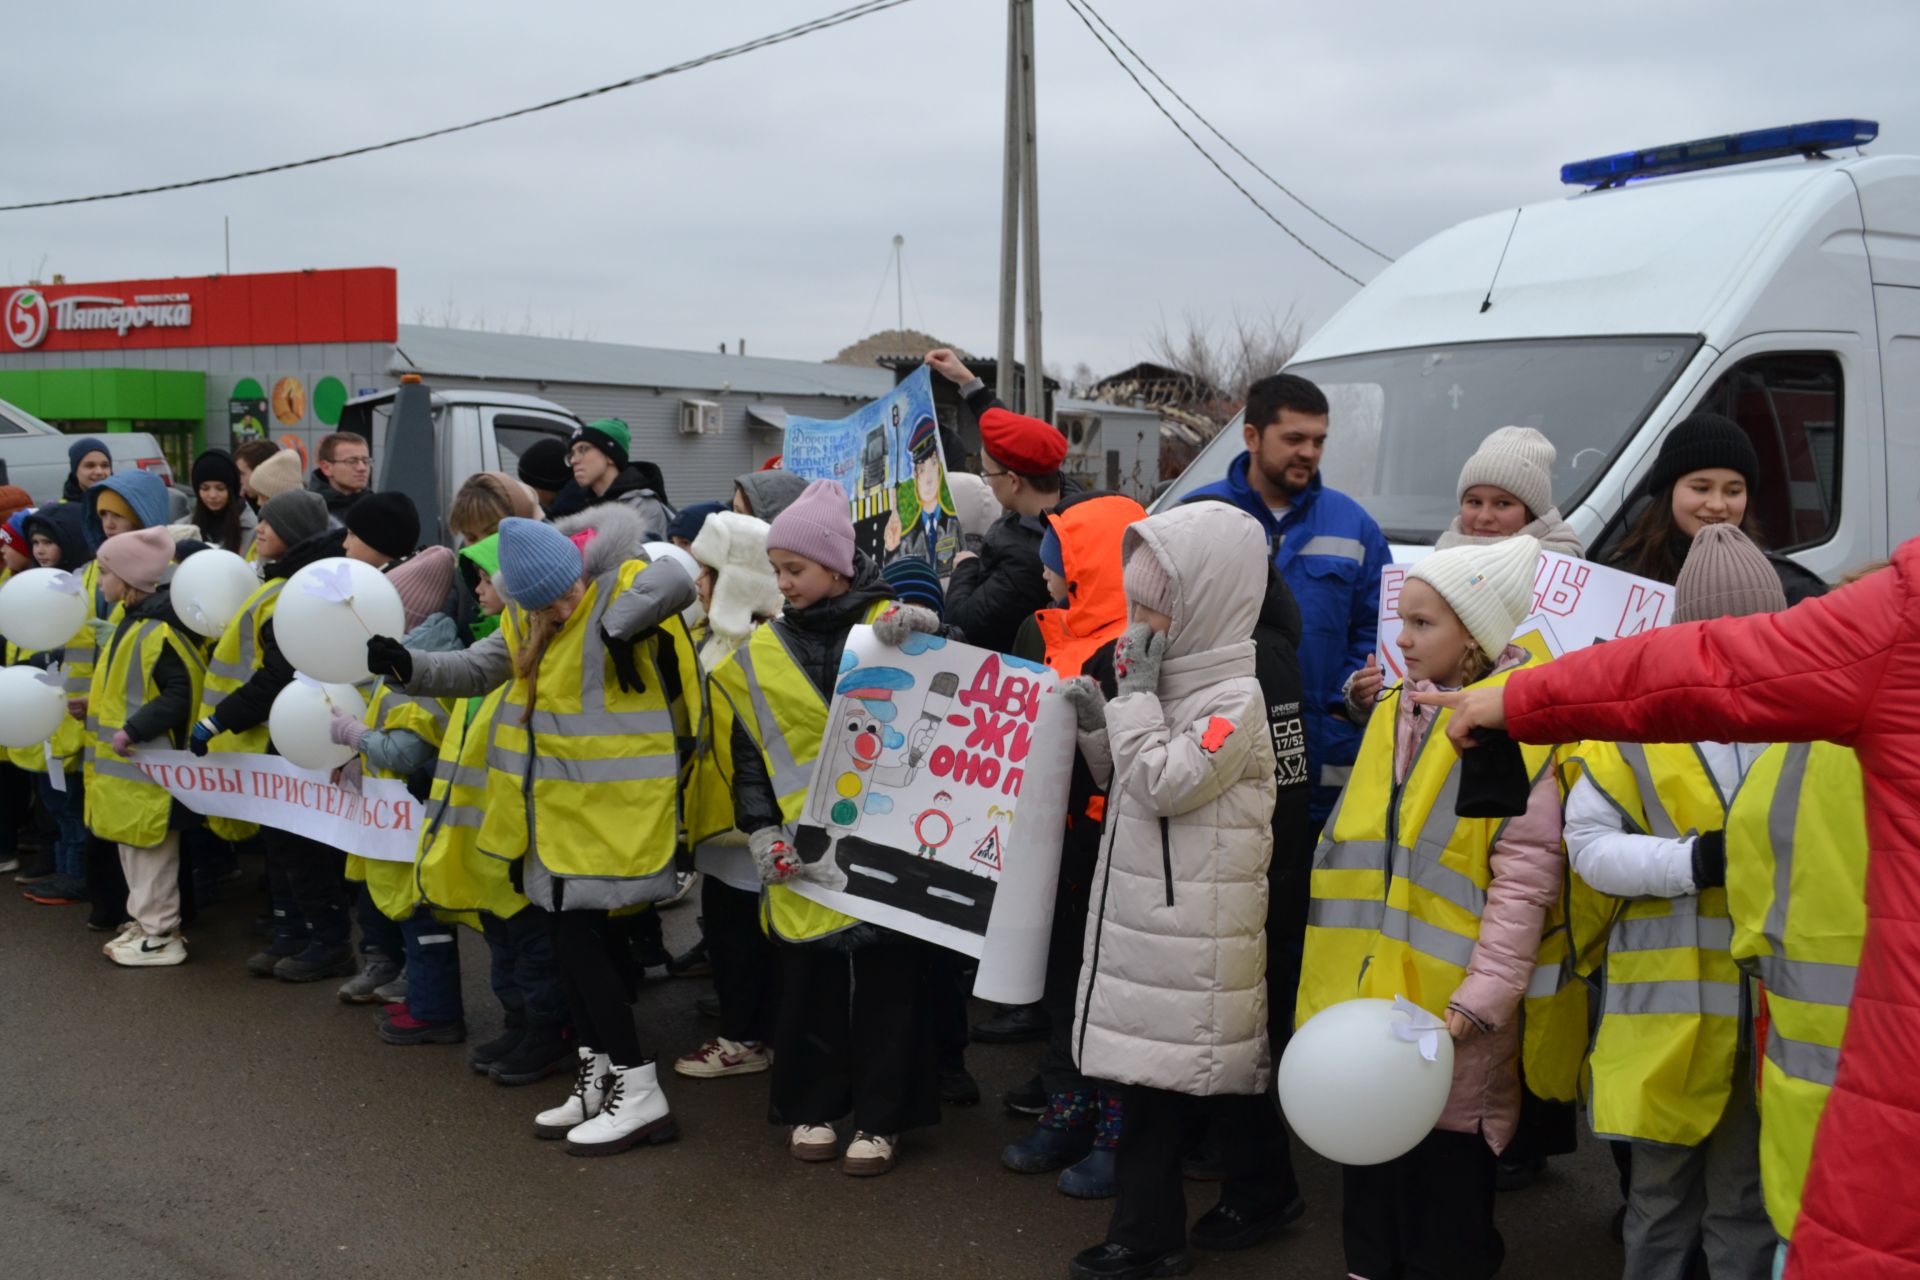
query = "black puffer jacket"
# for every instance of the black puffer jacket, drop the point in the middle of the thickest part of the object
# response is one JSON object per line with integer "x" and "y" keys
{"x": 252, "y": 702}
{"x": 815, "y": 636}
{"x": 337, "y": 502}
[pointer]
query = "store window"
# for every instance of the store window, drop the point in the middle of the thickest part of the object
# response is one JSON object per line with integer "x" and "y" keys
{"x": 1789, "y": 404}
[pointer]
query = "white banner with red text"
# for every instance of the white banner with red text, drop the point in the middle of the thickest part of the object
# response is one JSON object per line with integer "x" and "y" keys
{"x": 376, "y": 820}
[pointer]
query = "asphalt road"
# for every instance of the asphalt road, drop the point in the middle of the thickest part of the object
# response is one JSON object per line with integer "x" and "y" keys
{"x": 198, "y": 1122}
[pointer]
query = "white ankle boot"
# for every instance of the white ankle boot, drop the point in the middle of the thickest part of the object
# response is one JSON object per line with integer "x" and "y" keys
{"x": 590, "y": 1083}
{"x": 634, "y": 1111}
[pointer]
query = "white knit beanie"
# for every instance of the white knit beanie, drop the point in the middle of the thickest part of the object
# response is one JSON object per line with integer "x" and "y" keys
{"x": 1517, "y": 459}
{"x": 1489, "y": 587}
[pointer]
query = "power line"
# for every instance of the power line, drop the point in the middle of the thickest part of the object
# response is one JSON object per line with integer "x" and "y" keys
{"x": 1284, "y": 189}
{"x": 1205, "y": 154}
{"x": 835, "y": 19}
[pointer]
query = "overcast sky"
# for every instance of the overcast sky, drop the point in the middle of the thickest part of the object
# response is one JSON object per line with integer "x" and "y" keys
{"x": 758, "y": 198}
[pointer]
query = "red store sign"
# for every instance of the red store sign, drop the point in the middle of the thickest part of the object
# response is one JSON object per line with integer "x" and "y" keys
{"x": 277, "y": 309}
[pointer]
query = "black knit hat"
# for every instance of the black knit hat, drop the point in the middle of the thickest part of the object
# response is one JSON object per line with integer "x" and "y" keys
{"x": 387, "y": 522}
{"x": 216, "y": 464}
{"x": 544, "y": 465}
{"x": 1701, "y": 441}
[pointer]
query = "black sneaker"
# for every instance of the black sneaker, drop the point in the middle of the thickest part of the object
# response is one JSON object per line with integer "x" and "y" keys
{"x": 317, "y": 962}
{"x": 1227, "y": 1227}
{"x": 958, "y": 1088}
{"x": 1013, "y": 1024}
{"x": 1111, "y": 1261}
{"x": 1029, "y": 1099}
{"x": 691, "y": 963}
{"x": 483, "y": 1055}
{"x": 542, "y": 1052}
{"x": 404, "y": 1028}
{"x": 260, "y": 964}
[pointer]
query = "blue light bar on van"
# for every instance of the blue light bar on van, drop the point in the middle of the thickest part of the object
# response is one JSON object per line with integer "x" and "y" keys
{"x": 1710, "y": 153}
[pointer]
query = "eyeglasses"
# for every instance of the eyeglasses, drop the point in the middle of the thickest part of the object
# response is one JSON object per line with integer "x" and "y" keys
{"x": 359, "y": 460}
{"x": 992, "y": 475}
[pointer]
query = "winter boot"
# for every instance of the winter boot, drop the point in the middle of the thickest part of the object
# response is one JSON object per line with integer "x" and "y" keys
{"x": 1063, "y": 1137}
{"x": 541, "y": 1052}
{"x": 483, "y": 1055}
{"x": 404, "y": 1029}
{"x": 377, "y": 969}
{"x": 316, "y": 962}
{"x": 591, "y": 1079}
{"x": 633, "y": 1112}
{"x": 1093, "y": 1178}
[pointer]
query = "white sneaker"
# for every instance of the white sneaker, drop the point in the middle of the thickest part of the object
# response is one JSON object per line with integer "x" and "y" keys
{"x": 634, "y": 1111}
{"x": 144, "y": 952}
{"x": 590, "y": 1082}
{"x": 129, "y": 932}
{"x": 723, "y": 1057}
{"x": 813, "y": 1143}
{"x": 869, "y": 1155}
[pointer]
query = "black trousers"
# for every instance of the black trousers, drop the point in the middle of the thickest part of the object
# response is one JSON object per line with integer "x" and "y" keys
{"x": 1157, "y": 1126}
{"x": 312, "y": 876}
{"x": 106, "y": 884}
{"x": 949, "y": 979}
{"x": 853, "y": 1035}
{"x": 590, "y": 950}
{"x": 742, "y": 958}
{"x": 1427, "y": 1215}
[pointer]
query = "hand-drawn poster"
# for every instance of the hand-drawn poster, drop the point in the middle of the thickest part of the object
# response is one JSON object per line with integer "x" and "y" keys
{"x": 887, "y": 456}
{"x": 927, "y": 750}
{"x": 1575, "y": 605}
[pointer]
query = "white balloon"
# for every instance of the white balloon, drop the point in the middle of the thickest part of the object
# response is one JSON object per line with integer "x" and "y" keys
{"x": 42, "y": 609}
{"x": 301, "y": 722}
{"x": 30, "y": 708}
{"x": 1355, "y": 1091}
{"x": 210, "y": 588}
{"x": 328, "y": 611}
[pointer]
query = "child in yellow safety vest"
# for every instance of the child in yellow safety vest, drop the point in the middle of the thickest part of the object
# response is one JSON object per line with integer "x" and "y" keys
{"x": 56, "y": 539}
{"x": 146, "y": 685}
{"x": 1672, "y": 1061}
{"x": 851, "y": 1033}
{"x": 1411, "y": 899}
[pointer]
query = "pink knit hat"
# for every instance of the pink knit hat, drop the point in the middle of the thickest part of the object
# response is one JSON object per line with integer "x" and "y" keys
{"x": 423, "y": 581}
{"x": 138, "y": 558}
{"x": 818, "y": 525}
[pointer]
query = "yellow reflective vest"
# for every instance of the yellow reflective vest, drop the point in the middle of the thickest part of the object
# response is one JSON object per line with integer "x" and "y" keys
{"x": 768, "y": 694}
{"x": 122, "y": 804}
{"x": 81, "y": 650}
{"x": 451, "y": 874}
{"x": 1796, "y": 886}
{"x": 236, "y": 656}
{"x": 1663, "y": 1057}
{"x": 67, "y": 743}
{"x": 594, "y": 773}
{"x": 392, "y": 884}
{"x": 1399, "y": 883}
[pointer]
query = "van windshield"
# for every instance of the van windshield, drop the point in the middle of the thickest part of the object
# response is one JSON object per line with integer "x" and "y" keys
{"x": 1405, "y": 421}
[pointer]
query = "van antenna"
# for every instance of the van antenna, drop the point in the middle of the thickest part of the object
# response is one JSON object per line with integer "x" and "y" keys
{"x": 1486, "y": 303}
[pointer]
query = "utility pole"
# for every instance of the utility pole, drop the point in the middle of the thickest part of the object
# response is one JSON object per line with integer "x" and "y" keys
{"x": 1011, "y": 165}
{"x": 1036, "y": 401}
{"x": 899, "y": 289}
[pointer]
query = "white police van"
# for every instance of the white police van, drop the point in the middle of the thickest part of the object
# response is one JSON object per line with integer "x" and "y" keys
{"x": 1761, "y": 276}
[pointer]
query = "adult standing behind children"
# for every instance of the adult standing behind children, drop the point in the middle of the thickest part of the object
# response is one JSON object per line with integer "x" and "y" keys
{"x": 1328, "y": 549}
{"x": 996, "y": 589}
{"x": 604, "y": 471}
{"x": 343, "y": 473}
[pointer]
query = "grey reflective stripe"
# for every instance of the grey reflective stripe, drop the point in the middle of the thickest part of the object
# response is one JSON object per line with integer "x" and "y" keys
{"x": 106, "y": 768}
{"x": 787, "y": 776}
{"x": 1782, "y": 817}
{"x": 1351, "y": 855}
{"x": 461, "y": 815}
{"x": 646, "y": 768}
{"x": 1807, "y": 981}
{"x": 1335, "y": 775}
{"x": 1658, "y": 823}
{"x": 466, "y": 775}
{"x": 1544, "y": 982}
{"x": 1713, "y": 999}
{"x": 229, "y": 670}
{"x": 588, "y": 723}
{"x": 1345, "y": 548}
{"x": 1428, "y": 939}
{"x": 1802, "y": 1059}
{"x": 1346, "y": 913}
{"x": 1683, "y": 928}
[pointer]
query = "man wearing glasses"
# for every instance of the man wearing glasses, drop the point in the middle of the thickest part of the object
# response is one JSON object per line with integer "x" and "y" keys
{"x": 344, "y": 473}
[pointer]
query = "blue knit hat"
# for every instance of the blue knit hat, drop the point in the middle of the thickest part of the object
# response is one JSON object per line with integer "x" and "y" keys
{"x": 1050, "y": 553}
{"x": 82, "y": 447}
{"x": 914, "y": 582}
{"x": 538, "y": 563}
{"x": 687, "y": 522}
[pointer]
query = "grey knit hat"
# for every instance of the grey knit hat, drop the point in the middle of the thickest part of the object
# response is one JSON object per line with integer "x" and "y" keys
{"x": 296, "y": 515}
{"x": 1517, "y": 459}
{"x": 1725, "y": 576}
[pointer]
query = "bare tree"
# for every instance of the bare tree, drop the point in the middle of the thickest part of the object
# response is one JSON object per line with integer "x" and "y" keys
{"x": 1219, "y": 363}
{"x": 450, "y": 315}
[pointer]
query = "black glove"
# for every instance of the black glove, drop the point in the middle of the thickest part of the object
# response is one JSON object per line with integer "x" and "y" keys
{"x": 1710, "y": 861}
{"x": 204, "y": 732}
{"x": 389, "y": 658}
{"x": 1493, "y": 778}
{"x": 625, "y": 670}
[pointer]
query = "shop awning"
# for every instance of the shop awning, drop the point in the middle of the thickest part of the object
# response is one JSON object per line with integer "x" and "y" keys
{"x": 771, "y": 416}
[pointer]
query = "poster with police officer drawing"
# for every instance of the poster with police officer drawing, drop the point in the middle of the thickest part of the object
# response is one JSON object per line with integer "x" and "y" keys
{"x": 927, "y": 751}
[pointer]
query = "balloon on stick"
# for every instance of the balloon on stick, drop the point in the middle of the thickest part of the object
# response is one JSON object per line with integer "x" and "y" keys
{"x": 301, "y": 722}
{"x": 326, "y": 614}
{"x": 32, "y": 704}
{"x": 1363, "y": 1081}
{"x": 210, "y": 587}
{"x": 42, "y": 609}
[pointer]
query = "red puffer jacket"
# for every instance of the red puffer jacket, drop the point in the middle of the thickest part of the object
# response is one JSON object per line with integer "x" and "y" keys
{"x": 1844, "y": 668}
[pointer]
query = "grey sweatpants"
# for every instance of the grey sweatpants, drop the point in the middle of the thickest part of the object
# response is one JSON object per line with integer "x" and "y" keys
{"x": 1705, "y": 1197}
{"x": 153, "y": 884}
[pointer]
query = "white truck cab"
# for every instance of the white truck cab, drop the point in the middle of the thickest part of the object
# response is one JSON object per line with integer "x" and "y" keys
{"x": 1754, "y": 276}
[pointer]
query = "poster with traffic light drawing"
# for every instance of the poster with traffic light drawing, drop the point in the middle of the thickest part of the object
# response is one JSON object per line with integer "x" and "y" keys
{"x": 887, "y": 456}
{"x": 927, "y": 752}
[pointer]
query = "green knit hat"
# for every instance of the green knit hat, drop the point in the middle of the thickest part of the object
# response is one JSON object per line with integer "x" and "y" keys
{"x": 611, "y": 437}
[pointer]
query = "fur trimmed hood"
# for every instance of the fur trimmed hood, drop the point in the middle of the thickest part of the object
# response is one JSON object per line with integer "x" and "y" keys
{"x": 619, "y": 535}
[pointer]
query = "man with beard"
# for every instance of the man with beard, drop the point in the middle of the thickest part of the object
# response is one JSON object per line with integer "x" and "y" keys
{"x": 1327, "y": 548}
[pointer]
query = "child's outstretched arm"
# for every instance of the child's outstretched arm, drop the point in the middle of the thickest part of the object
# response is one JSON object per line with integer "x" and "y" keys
{"x": 1178, "y": 768}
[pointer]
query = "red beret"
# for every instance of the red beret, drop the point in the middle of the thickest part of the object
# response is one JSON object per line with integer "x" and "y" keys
{"x": 1020, "y": 443}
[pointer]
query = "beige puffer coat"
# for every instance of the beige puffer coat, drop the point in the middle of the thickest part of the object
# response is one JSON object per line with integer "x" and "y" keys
{"x": 1173, "y": 980}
